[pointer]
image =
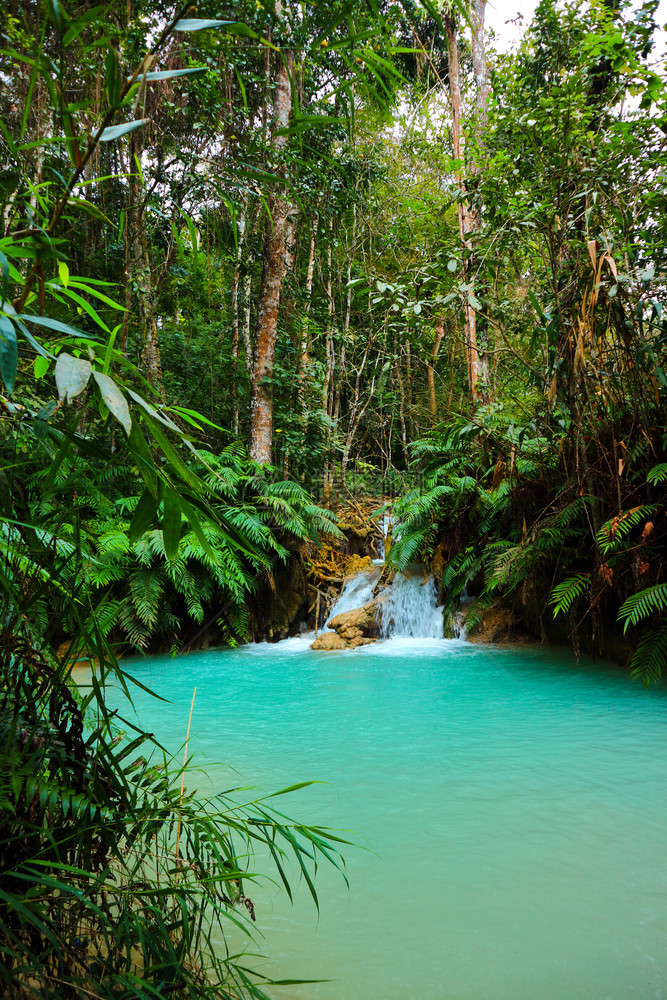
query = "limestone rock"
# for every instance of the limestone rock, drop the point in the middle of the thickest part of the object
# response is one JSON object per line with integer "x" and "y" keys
{"x": 358, "y": 564}
{"x": 354, "y": 628}
{"x": 328, "y": 641}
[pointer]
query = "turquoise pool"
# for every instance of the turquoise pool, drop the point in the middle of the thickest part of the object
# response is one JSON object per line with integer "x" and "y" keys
{"x": 512, "y": 804}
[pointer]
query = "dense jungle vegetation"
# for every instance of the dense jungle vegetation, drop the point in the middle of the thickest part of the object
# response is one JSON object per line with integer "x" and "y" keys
{"x": 257, "y": 258}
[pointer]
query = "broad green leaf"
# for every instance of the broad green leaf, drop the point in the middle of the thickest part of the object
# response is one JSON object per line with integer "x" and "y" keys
{"x": 194, "y": 239}
{"x": 54, "y": 12}
{"x": 143, "y": 458}
{"x": 142, "y": 519}
{"x": 72, "y": 375}
{"x": 172, "y": 456}
{"x": 8, "y": 353}
{"x": 114, "y": 399}
{"x": 84, "y": 284}
{"x": 171, "y": 521}
{"x": 4, "y": 263}
{"x": 86, "y": 306}
{"x": 112, "y": 77}
{"x": 195, "y": 524}
{"x": 63, "y": 272}
{"x": 40, "y": 366}
{"x": 116, "y": 131}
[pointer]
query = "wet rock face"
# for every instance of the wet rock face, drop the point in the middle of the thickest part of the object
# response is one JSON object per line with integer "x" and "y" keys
{"x": 354, "y": 628}
{"x": 496, "y": 624}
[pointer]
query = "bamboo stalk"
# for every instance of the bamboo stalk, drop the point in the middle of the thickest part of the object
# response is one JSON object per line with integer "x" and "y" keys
{"x": 185, "y": 760}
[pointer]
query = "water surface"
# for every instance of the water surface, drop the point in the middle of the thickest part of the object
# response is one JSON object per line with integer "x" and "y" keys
{"x": 512, "y": 803}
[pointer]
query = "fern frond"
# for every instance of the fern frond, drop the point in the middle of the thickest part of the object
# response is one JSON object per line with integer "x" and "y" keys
{"x": 650, "y": 658}
{"x": 613, "y": 533}
{"x": 564, "y": 594}
{"x": 642, "y": 605}
{"x": 658, "y": 474}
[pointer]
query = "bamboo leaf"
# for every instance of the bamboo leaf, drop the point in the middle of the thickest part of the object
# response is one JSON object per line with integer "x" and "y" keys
{"x": 142, "y": 519}
{"x": 54, "y": 324}
{"x": 171, "y": 521}
{"x": 72, "y": 375}
{"x": 8, "y": 353}
{"x": 115, "y": 400}
{"x": 117, "y": 131}
{"x": 170, "y": 74}
{"x": 198, "y": 24}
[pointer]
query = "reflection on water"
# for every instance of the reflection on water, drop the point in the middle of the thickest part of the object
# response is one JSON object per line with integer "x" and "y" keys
{"x": 512, "y": 803}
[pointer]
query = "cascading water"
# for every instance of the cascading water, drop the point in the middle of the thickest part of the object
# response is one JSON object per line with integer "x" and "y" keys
{"x": 357, "y": 591}
{"x": 386, "y": 523}
{"x": 408, "y": 609}
{"x": 458, "y": 618}
{"x": 407, "y": 606}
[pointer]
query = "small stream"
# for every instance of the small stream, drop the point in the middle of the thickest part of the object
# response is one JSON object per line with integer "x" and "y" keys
{"x": 510, "y": 804}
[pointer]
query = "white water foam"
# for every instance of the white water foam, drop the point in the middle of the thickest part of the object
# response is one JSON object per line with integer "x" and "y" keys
{"x": 385, "y": 523}
{"x": 357, "y": 591}
{"x": 408, "y": 608}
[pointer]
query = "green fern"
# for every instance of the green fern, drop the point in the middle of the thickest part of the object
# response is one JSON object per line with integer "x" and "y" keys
{"x": 650, "y": 658}
{"x": 658, "y": 474}
{"x": 614, "y": 532}
{"x": 564, "y": 594}
{"x": 644, "y": 604}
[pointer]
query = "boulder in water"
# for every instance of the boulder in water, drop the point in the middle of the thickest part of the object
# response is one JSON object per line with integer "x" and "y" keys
{"x": 358, "y": 627}
{"x": 328, "y": 641}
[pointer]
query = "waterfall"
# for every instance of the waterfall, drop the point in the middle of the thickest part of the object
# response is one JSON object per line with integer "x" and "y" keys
{"x": 357, "y": 591}
{"x": 458, "y": 625}
{"x": 385, "y": 524}
{"x": 408, "y": 608}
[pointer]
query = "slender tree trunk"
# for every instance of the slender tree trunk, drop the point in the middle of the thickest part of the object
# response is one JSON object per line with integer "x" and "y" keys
{"x": 304, "y": 359}
{"x": 246, "y": 292}
{"x": 430, "y": 372}
{"x": 331, "y": 367}
{"x": 261, "y": 414}
{"x": 240, "y": 229}
{"x": 468, "y": 220}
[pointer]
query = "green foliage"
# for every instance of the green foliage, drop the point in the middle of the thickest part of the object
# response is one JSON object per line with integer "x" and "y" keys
{"x": 565, "y": 593}
{"x": 644, "y": 604}
{"x": 649, "y": 660}
{"x": 114, "y": 880}
{"x": 613, "y": 534}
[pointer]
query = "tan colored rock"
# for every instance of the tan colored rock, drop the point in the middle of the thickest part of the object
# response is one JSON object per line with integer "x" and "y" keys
{"x": 354, "y": 628}
{"x": 359, "y": 621}
{"x": 328, "y": 641}
{"x": 358, "y": 564}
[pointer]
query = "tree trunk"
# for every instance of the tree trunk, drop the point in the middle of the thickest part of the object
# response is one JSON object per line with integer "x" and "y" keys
{"x": 261, "y": 414}
{"x": 304, "y": 360}
{"x": 468, "y": 220}
{"x": 240, "y": 229}
{"x": 430, "y": 374}
{"x": 331, "y": 367}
